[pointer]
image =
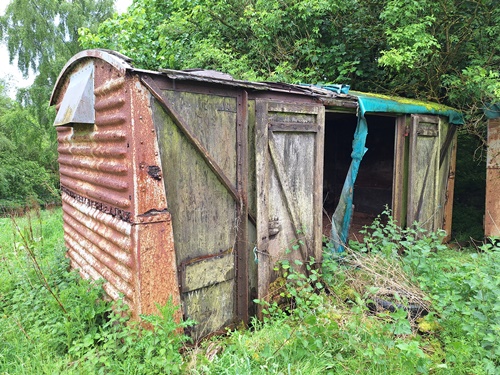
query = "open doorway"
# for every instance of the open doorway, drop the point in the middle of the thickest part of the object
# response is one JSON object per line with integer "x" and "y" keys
{"x": 374, "y": 183}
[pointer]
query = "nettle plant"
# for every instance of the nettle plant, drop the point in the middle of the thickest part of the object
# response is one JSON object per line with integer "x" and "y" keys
{"x": 296, "y": 289}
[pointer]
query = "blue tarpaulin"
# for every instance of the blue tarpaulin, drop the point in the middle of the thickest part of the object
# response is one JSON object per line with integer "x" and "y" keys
{"x": 492, "y": 110}
{"x": 373, "y": 103}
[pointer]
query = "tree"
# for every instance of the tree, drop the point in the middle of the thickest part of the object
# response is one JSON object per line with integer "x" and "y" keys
{"x": 445, "y": 51}
{"x": 43, "y": 36}
{"x": 24, "y": 152}
{"x": 292, "y": 41}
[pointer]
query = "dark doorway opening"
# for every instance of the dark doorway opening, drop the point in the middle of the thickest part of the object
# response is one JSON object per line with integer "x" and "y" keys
{"x": 374, "y": 183}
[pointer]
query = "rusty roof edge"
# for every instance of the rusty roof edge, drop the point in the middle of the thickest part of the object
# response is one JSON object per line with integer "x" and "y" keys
{"x": 117, "y": 60}
{"x": 195, "y": 75}
{"x": 123, "y": 63}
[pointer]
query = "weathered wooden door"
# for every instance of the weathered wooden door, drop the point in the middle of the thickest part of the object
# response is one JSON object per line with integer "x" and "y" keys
{"x": 425, "y": 202}
{"x": 289, "y": 174}
{"x": 423, "y": 172}
{"x": 202, "y": 140}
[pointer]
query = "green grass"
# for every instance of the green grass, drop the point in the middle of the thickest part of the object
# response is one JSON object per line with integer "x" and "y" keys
{"x": 52, "y": 322}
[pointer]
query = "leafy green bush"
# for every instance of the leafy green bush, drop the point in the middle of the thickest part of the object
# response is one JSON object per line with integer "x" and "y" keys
{"x": 23, "y": 182}
{"x": 463, "y": 286}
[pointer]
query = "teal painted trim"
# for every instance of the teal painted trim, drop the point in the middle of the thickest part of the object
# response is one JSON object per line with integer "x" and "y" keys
{"x": 381, "y": 104}
{"x": 378, "y": 103}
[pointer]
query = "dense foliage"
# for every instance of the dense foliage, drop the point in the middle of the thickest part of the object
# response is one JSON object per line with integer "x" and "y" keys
{"x": 27, "y": 155}
{"x": 445, "y": 51}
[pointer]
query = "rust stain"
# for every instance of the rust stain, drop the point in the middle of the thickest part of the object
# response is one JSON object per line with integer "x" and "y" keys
{"x": 97, "y": 188}
{"x": 117, "y": 226}
{"x": 99, "y": 244}
{"x": 155, "y": 172}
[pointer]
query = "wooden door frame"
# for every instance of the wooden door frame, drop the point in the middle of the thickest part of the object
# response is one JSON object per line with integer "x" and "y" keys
{"x": 266, "y": 153}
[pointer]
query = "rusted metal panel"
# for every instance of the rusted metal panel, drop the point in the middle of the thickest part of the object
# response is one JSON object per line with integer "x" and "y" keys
{"x": 492, "y": 214}
{"x": 117, "y": 61}
{"x": 94, "y": 160}
{"x": 111, "y": 179}
{"x": 156, "y": 273}
{"x": 149, "y": 198}
{"x": 96, "y": 182}
{"x": 100, "y": 246}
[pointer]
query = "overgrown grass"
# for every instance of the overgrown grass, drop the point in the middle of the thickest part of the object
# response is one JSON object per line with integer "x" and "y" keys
{"x": 331, "y": 321}
{"x": 52, "y": 321}
{"x": 400, "y": 302}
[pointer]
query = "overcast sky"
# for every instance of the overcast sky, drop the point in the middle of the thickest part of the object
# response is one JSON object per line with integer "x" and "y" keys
{"x": 10, "y": 73}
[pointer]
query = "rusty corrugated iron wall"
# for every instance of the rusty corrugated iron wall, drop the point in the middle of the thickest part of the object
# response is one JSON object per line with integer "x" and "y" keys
{"x": 114, "y": 203}
{"x": 492, "y": 214}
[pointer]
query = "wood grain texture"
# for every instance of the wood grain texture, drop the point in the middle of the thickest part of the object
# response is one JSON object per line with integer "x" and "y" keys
{"x": 205, "y": 214}
{"x": 423, "y": 195}
{"x": 289, "y": 173}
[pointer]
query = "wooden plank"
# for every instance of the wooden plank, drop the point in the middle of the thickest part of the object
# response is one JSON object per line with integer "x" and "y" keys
{"x": 423, "y": 182}
{"x": 450, "y": 137}
{"x": 211, "y": 307}
{"x": 318, "y": 186}
{"x": 204, "y": 212}
{"x": 450, "y": 190}
{"x": 293, "y": 108}
{"x": 492, "y": 201}
{"x": 242, "y": 293}
{"x": 398, "y": 201}
{"x": 293, "y": 127}
{"x": 183, "y": 126}
{"x": 286, "y": 188}
{"x": 206, "y": 271}
{"x": 262, "y": 188}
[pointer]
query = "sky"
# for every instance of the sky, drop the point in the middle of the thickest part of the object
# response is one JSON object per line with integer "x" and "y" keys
{"x": 10, "y": 72}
